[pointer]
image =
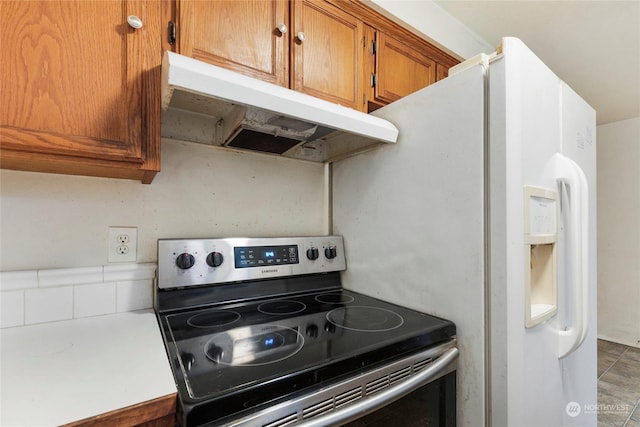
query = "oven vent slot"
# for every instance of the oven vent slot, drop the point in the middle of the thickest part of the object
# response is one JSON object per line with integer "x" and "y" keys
{"x": 377, "y": 385}
{"x": 335, "y": 402}
{"x": 286, "y": 421}
{"x": 418, "y": 366}
{"x": 348, "y": 397}
{"x": 400, "y": 375}
{"x": 318, "y": 409}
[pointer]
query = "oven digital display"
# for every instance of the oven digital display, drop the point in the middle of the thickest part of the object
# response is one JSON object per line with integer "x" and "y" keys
{"x": 266, "y": 341}
{"x": 274, "y": 344}
{"x": 263, "y": 256}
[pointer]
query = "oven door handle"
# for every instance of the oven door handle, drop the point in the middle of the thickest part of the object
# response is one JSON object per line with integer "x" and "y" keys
{"x": 372, "y": 404}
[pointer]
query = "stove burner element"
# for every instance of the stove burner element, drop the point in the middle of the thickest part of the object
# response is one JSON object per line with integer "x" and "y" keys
{"x": 281, "y": 307}
{"x": 254, "y": 345}
{"x": 213, "y": 319}
{"x": 365, "y": 319}
{"x": 334, "y": 298}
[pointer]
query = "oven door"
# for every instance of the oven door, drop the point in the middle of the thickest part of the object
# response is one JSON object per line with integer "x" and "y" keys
{"x": 418, "y": 390}
{"x": 432, "y": 405}
{"x": 426, "y": 399}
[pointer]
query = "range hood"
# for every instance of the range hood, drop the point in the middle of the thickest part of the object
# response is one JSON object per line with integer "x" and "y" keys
{"x": 212, "y": 105}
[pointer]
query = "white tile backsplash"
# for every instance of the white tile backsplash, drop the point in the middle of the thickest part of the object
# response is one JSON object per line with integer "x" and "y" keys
{"x": 128, "y": 272}
{"x": 134, "y": 295}
{"x": 12, "y": 309}
{"x": 40, "y": 296}
{"x": 48, "y": 304}
{"x": 69, "y": 276}
{"x": 13, "y": 280}
{"x": 94, "y": 300}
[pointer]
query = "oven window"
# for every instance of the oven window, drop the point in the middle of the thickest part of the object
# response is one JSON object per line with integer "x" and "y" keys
{"x": 431, "y": 405}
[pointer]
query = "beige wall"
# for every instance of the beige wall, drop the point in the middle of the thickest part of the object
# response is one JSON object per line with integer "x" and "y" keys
{"x": 619, "y": 231}
{"x": 51, "y": 221}
{"x": 430, "y": 21}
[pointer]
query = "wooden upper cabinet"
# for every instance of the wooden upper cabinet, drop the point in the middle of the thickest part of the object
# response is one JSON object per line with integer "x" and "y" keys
{"x": 245, "y": 36}
{"x": 399, "y": 69}
{"x": 326, "y": 53}
{"x": 442, "y": 72}
{"x": 80, "y": 88}
{"x": 264, "y": 38}
{"x": 317, "y": 47}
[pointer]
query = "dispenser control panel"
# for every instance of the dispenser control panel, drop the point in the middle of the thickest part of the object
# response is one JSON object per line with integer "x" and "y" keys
{"x": 541, "y": 212}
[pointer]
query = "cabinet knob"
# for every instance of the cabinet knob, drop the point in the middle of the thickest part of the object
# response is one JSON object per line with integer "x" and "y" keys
{"x": 300, "y": 36}
{"x": 282, "y": 28}
{"x": 134, "y": 22}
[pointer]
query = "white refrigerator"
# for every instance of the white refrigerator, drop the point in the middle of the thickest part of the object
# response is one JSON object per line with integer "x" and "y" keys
{"x": 484, "y": 213}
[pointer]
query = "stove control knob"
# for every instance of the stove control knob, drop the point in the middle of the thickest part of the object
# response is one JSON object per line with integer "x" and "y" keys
{"x": 188, "y": 360}
{"x": 215, "y": 354}
{"x": 185, "y": 261}
{"x": 330, "y": 252}
{"x": 312, "y": 331}
{"x": 312, "y": 253}
{"x": 329, "y": 327}
{"x": 214, "y": 259}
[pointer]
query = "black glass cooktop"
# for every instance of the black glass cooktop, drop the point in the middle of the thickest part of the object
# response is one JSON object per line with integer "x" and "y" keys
{"x": 244, "y": 354}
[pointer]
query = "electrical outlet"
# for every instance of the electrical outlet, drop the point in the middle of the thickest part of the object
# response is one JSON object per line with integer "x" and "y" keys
{"x": 123, "y": 244}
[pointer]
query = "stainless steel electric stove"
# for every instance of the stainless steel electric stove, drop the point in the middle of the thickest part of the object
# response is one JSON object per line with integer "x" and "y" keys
{"x": 260, "y": 332}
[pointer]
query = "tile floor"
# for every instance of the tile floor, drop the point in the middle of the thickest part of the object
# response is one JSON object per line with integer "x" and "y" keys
{"x": 618, "y": 385}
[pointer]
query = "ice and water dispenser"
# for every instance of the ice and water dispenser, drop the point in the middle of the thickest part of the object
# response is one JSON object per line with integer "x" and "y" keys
{"x": 541, "y": 259}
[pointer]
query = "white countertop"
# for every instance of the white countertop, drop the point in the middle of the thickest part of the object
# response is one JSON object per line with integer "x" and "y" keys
{"x": 59, "y": 372}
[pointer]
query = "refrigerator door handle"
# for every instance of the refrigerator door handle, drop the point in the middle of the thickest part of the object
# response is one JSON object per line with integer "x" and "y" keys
{"x": 569, "y": 174}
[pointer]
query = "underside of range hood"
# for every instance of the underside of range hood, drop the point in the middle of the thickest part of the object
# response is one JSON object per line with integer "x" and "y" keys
{"x": 211, "y": 105}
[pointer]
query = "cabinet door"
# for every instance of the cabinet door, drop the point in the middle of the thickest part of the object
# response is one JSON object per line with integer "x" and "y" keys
{"x": 327, "y": 57}
{"x": 240, "y": 35}
{"x": 400, "y": 70}
{"x": 442, "y": 72}
{"x": 77, "y": 93}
